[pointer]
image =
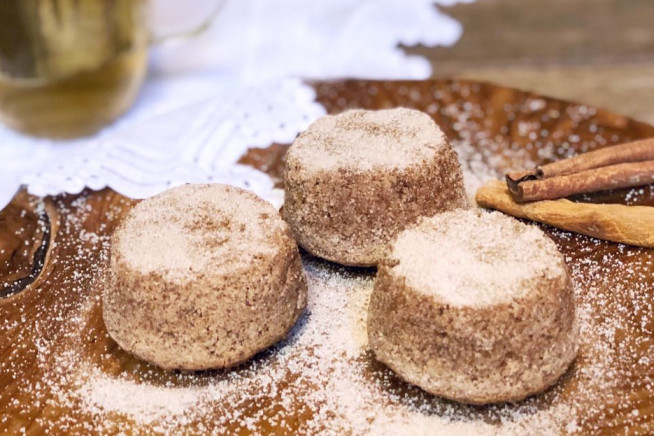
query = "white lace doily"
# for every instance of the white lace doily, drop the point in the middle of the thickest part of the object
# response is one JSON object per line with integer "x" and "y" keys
{"x": 206, "y": 101}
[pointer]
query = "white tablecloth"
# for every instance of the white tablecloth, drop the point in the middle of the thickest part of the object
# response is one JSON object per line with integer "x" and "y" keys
{"x": 237, "y": 85}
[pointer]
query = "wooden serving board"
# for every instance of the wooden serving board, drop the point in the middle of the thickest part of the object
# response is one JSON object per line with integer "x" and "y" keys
{"x": 52, "y": 249}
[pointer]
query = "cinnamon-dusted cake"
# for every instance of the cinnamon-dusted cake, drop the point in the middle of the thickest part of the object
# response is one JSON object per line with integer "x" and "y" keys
{"x": 473, "y": 306}
{"x": 202, "y": 276}
{"x": 355, "y": 180}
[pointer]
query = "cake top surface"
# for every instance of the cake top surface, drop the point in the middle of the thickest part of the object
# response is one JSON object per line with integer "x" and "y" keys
{"x": 475, "y": 258}
{"x": 363, "y": 139}
{"x": 213, "y": 229}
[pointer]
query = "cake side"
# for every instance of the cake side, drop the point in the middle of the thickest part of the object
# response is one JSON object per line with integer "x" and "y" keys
{"x": 347, "y": 211}
{"x": 213, "y": 314}
{"x": 504, "y": 348}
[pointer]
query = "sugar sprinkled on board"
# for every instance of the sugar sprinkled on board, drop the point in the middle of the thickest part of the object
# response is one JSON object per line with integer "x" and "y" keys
{"x": 323, "y": 367}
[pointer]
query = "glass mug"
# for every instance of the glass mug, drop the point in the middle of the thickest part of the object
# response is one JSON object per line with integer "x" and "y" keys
{"x": 70, "y": 67}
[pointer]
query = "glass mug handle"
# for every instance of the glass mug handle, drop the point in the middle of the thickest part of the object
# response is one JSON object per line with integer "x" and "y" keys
{"x": 179, "y": 36}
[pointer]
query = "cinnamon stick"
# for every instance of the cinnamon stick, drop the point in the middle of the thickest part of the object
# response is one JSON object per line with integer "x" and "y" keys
{"x": 618, "y": 176}
{"x": 633, "y": 225}
{"x": 636, "y": 151}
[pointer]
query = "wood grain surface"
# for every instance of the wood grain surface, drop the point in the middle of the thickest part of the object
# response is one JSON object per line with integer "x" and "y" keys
{"x": 600, "y": 52}
{"x": 44, "y": 289}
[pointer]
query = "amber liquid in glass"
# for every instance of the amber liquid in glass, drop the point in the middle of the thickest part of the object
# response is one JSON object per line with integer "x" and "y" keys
{"x": 69, "y": 67}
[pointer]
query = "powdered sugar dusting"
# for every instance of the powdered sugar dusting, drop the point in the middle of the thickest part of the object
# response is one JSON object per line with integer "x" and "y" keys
{"x": 471, "y": 258}
{"x": 147, "y": 403}
{"x": 360, "y": 140}
{"x": 235, "y": 218}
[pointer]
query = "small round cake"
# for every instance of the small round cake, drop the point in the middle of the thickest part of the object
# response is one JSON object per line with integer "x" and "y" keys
{"x": 475, "y": 307}
{"x": 202, "y": 276}
{"x": 353, "y": 181}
